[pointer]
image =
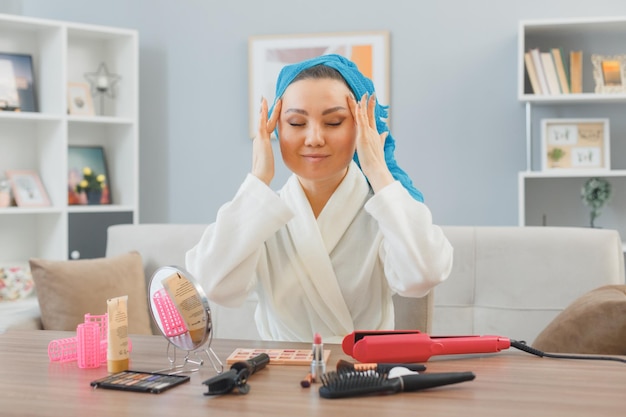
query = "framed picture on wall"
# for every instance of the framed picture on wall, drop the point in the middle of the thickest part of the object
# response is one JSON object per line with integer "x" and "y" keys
{"x": 269, "y": 54}
{"x": 27, "y": 188}
{"x": 17, "y": 84}
{"x": 87, "y": 176}
{"x": 575, "y": 144}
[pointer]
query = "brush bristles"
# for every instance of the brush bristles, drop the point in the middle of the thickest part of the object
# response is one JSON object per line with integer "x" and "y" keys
{"x": 350, "y": 383}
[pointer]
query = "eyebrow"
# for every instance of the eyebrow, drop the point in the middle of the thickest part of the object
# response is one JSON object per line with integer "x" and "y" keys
{"x": 324, "y": 113}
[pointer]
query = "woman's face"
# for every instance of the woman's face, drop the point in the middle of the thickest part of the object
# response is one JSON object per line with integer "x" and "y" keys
{"x": 316, "y": 129}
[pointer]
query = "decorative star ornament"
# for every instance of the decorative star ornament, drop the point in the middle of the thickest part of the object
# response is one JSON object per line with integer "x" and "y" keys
{"x": 102, "y": 82}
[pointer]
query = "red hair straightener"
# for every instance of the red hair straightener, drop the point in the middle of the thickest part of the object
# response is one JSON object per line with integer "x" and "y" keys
{"x": 408, "y": 346}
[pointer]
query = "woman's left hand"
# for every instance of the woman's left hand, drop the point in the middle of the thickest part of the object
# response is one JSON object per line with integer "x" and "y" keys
{"x": 370, "y": 145}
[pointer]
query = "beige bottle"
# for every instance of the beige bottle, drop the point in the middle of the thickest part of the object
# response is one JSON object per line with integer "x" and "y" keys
{"x": 117, "y": 338}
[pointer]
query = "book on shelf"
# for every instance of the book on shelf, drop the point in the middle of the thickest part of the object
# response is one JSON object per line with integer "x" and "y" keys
{"x": 561, "y": 69}
{"x": 543, "y": 82}
{"x": 532, "y": 74}
{"x": 576, "y": 71}
{"x": 550, "y": 71}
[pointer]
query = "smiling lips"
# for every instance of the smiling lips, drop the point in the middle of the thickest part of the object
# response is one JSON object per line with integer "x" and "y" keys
{"x": 315, "y": 157}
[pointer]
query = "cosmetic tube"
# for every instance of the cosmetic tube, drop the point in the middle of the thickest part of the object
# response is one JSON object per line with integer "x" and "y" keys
{"x": 117, "y": 337}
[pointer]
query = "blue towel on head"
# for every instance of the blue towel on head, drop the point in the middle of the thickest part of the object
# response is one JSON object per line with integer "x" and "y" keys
{"x": 359, "y": 85}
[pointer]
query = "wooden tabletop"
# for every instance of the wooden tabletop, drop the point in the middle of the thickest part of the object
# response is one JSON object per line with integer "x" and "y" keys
{"x": 509, "y": 383}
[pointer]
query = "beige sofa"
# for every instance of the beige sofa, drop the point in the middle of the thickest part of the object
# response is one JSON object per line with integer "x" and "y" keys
{"x": 507, "y": 281}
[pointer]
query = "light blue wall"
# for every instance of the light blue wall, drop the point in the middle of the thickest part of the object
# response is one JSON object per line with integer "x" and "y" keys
{"x": 454, "y": 109}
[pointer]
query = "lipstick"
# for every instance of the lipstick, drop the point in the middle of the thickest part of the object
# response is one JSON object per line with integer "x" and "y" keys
{"x": 318, "y": 366}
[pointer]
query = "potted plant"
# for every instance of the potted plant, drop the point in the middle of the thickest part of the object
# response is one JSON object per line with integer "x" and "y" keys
{"x": 596, "y": 193}
{"x": 91, "y": 186}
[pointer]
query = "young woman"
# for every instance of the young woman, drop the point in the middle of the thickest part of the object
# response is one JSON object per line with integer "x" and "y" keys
{"x": 348, "y": 230}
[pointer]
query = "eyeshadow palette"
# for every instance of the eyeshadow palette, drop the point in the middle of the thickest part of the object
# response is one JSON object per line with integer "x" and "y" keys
{"x": 277, "y": 356}
{"x": 136, "y": 381}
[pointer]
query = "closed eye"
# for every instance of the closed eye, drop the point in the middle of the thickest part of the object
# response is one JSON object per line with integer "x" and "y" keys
{"x": 335, "y": 122}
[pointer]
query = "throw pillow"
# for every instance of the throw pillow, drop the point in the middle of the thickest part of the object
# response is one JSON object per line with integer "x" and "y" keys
{"x": 16, "y": 282}
{"x": 595, "y": 323}
{"x": 67, "y": 290}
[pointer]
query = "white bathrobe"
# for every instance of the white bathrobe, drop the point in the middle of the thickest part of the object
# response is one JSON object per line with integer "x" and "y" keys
{"x": 331, "y": 275}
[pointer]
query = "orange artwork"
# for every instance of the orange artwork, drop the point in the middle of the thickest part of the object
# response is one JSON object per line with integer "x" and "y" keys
{"x": 362, "y": 56}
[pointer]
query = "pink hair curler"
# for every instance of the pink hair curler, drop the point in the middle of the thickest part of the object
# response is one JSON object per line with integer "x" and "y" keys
{"x": 88, "y": 346}
{"x": 103, "y": 324}
{"x": 63, "y": 350}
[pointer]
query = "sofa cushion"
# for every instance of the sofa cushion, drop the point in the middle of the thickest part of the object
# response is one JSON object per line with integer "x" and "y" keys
{"x": 595, "y": 323}
{"x": 67, "y": 290}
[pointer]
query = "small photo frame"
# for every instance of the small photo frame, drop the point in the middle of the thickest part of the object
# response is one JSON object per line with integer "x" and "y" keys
{"x": 79, "y": 100}
{"x": 269, "y": 54}
{"x": 575, "y": 144}
{"x": 27, "y": 188}
{"x": 17, "y": 85}
{"x": 609, "y": 73}
{"x": 87, "y": 176}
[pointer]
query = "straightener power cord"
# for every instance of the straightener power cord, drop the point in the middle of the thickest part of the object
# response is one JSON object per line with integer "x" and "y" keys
{"x": 521, "y": 345}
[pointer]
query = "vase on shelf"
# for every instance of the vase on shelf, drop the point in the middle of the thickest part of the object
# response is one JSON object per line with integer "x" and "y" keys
{"x": 94, "y": 197}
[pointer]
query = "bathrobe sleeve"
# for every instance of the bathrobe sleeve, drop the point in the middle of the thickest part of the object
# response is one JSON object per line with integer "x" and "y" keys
{"x": 226, "y": 257}
{"x": 416, "y": 254}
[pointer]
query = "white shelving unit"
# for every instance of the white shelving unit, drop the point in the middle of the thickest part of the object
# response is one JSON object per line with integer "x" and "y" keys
{"x": 63, "y": 52}
{"x": 553, "y": 198}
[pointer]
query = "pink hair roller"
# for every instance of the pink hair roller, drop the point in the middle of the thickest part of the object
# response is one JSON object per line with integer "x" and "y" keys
{"x": 63, "y": 350}
{"x": 88, "y": 349}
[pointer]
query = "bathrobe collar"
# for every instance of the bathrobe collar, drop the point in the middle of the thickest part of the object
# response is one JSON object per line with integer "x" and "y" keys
{"x": 314, "y": 239}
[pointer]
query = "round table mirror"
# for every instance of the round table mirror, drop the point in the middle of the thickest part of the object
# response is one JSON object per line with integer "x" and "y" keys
{"x": 180, "y": 309}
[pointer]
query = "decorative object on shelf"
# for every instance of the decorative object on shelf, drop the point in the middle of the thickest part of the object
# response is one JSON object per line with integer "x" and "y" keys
{"x": 5, "y": 193}
{"x": 596, "y": 193}
{"x": 88, "y": 179}
{"x": 103, "y": 83}
{"x": 17, "y": 86}
{"x": 575, "y": 144}
{"x": 268, "y": 54}
{"x": 609, "y": 73}
{"x": 16, "y": 281}
{"x": 27, "y": 188}
{"x": 79, "y": 100}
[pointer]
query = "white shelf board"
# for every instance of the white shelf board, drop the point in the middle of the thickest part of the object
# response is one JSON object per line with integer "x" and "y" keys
{"x": 99, "y": 208}
{"x": 582, "y": 98}
{"x": 573, "y": 173}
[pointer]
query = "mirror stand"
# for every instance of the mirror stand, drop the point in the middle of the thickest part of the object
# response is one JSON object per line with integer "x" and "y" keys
{"x": 187, "y": 360}
{"x": 181, "y": 310}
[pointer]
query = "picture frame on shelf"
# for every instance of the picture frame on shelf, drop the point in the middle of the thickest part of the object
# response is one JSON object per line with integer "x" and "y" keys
{"x": 17, "y": 83}
{"x": 79, "y": 100}
{"x": 575, "y": 144}
{"x": 609, "y": 73}
{"x": 87, "y": 177}
{"x": 268, "y": 54}
{"x": 27, "y": 188}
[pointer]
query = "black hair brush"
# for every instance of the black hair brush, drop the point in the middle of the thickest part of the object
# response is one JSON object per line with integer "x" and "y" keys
{"x": 356, "y": 383}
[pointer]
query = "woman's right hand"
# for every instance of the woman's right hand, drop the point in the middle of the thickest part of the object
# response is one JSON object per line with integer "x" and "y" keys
{"x": 262, "y": 153}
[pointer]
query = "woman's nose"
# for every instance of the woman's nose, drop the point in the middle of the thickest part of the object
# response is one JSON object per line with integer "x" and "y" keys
{"x": 314, "y": 137}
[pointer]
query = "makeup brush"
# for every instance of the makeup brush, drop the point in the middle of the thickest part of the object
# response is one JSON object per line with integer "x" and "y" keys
{"x": 357, "y": 383}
